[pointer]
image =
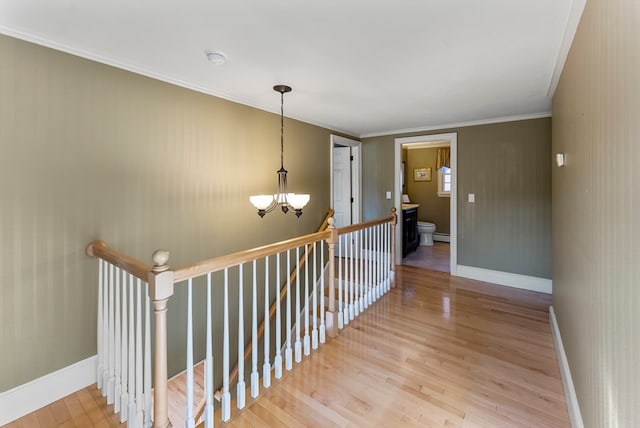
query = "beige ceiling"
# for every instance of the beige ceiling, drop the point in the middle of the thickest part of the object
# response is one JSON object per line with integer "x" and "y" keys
{"x": 361, "y": 67}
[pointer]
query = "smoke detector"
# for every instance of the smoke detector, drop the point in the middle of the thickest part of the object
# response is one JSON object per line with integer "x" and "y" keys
{"x": 216, "y": 57}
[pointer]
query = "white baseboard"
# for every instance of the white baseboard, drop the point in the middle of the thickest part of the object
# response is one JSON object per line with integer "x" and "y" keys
{"x": 33, "y": 395}
{"x": 515, "y": 280}
{"x": 442, "y": 237}
{"x": 569, "y": 391}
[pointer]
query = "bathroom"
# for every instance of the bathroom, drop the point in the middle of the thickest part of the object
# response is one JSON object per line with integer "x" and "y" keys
{"x": 426, "y": 186}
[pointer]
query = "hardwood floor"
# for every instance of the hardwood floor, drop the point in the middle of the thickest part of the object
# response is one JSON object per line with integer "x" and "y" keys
{"x": 85, "y": 408}
{"x": 436, "y": 351}
{"x": 435, "y": 257}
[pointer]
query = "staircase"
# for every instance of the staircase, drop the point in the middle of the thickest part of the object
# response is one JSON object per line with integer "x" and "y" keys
{"x": 272, "y": 305}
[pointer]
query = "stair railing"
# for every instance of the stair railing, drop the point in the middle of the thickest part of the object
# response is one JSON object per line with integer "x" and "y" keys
{"x": 365, "y": 266}
{"x": 126, "y": 290}
{"x": 365, "y": 271}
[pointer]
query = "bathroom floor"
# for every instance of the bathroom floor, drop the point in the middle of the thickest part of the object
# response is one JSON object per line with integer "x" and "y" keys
{"x": 434, "y": 258}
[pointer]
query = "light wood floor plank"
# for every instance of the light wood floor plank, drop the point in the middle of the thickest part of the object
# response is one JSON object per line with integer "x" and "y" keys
{"x": 437, "y": 351}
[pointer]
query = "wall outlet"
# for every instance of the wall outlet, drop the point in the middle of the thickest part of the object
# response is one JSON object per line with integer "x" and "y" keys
{"x": 472, "y": 197}
{"x": 388, "y": 195}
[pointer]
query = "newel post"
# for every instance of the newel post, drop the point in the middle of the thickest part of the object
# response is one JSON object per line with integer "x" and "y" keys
{"x": 160, "y": 290}
{"x": 331, "y": 316}
{"x": 394, "y": 222}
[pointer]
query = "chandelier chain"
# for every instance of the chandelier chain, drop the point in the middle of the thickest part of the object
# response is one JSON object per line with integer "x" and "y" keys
{"x": 282, "y": 130}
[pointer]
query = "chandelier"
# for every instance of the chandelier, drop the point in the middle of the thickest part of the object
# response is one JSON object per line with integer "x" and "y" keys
{"x": 286, "y": 201}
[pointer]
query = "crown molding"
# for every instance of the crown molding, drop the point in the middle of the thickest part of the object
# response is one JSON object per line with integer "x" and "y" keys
{"x": 575, "y": 13}
{"x": 445, "y": 126}
{"x": 106, "y": 60}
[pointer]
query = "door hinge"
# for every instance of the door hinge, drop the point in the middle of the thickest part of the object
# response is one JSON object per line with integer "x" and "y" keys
{"x": 351, "y": 200}
{"x": 351, "y": 157}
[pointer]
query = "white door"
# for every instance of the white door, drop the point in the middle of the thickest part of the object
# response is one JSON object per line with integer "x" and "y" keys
{"x": 342, "y": 197}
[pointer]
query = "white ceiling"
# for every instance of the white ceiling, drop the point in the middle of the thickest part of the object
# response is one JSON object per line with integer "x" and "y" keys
{"x": 359, "y": 66}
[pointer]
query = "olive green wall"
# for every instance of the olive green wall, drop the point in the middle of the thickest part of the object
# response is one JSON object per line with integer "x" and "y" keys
{"x": 433, "y": 208}
{"x": 93, "y": 152}
{"x": 507, "y": 166}
{"x": 596, "y": 212}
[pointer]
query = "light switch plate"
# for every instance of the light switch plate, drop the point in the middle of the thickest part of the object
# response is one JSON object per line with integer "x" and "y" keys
{"x": 472, "y": 197}
{"x": 388, "y": 195}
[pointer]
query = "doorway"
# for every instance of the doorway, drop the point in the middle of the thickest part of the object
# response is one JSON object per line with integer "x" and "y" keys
{"x": 449, "y": 139}
{"x": 345, "y": 180}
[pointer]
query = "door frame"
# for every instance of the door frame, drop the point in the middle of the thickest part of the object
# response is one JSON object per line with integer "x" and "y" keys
{"x": 453, "y": 140}
{"x": 356, "y": 175}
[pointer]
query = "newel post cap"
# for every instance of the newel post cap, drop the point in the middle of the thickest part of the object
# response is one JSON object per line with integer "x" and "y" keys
{"x": 160, "y": 278}
{"x": 160, "y": 259}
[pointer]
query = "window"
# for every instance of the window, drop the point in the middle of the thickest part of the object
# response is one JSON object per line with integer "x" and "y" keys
{"x": 444, "y": 182}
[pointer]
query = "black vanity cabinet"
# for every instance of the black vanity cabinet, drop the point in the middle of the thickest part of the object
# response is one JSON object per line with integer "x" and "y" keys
{"x": 410, "y": 237}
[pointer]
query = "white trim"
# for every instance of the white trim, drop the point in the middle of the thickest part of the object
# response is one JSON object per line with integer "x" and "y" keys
{"x": 102, "y": 59}
{"x": 24, "y": 399}
{"x": 428, "y": 145}
{"x": 525, "y": 282}
{"x": 573, "y": 20}
{"x": 422, "y": 139}
{"x": 573, "y": 407}
{"x": 441, "y": 237}
{"x": 443, "y": 126}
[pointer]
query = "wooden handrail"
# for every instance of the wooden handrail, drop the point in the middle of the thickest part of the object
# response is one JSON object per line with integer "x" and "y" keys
{"x": 134, "y": 267}
{"x": 219, "y": 263}
{"x": 360, "y": 226}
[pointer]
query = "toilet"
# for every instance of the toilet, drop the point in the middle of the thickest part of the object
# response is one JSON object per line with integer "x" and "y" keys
{"x": 426, "y": 230}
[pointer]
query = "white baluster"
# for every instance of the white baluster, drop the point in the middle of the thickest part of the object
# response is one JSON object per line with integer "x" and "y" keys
{"x": 307, "y": 339}
{"x": 366, "y": 258}
{"x": 118, "y": 347}
{"x": 189, "y": 421}
{"x": 105, "y": 331}
{"x": 112, "y": 339}
{"x": 361, "y": 270}
{"x": 255, "y": 387}
{"x": 298, "y": 344}
{"x": 347, "y": 278}
{"x": 288, "y": 363}
{"x": 379, "y": 257}
{"x": 266, "y": 367}
{"x": 356, "y": 299}
{"x": 240, "y": 386}
{"x": 372, "y": 284}
{"x": 389, "y": 257}
{"x": 383, "y": 256}
{"x": 375, "y": 284}
{"x": 323, "y": 329}
{"x": 124, "y": 397}
{"x": 277, "y": 361}
{"x": 148, "y": 394}
{"x": 372, "y": 262}
{"x": 371, "y": 267}
{"x": 131, "y": 412}
{"x": 376, "y": 264}
{"x": 139, "y": 413}
{"x": 208, "y": 367}
{"x": 100, "y": 331}
{"x": 352, "y": 278}
{"x": 226, "y": 395}
{"x": 343, "y": 255}
{"x": 314, "y": 331}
